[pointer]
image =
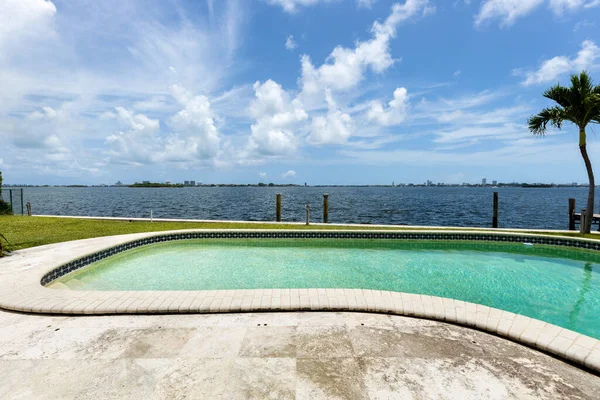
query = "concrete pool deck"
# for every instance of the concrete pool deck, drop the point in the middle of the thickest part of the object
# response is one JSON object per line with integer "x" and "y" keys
{"x": 20, "y": 290}
{"x": 302, "y": 355}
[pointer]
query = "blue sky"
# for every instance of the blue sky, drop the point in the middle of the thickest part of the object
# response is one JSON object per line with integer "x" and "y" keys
{"x": 290, "y": 91}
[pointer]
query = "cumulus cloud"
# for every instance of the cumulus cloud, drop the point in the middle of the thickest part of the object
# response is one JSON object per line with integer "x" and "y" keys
{"x": 552, "y": 69}
{"x": 25, "y": 19}
{"x": 276, "y": 117}
{"x": 508, "y": 11}
{"x": 289, "y": 174}
{"x": 196, "y": 121}
{"x": 345, "y": 67}
{"x": 139, "y": 143}
{"x": 195, "y": 137}
{"x": 394, "y": 113}
{"x": 263, "y": 174}
{"x": 334, "y": 128}
{"x": 290, "y": 44}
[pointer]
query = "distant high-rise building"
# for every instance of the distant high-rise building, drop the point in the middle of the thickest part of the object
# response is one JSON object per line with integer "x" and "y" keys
{"x": 186, "y": 183}
{"x": 119, "y": 183}
{"x": 483, "y": 182}
{"x": 429, "y": 183}
{"x": 192, "y": 183}
{"x": 494, "y": 183}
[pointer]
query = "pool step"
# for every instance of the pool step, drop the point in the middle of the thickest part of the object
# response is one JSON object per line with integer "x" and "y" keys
{"x": 75, "y": 283}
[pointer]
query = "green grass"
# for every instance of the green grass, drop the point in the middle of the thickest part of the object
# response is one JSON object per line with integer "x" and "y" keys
{"x": 24, "y": 232}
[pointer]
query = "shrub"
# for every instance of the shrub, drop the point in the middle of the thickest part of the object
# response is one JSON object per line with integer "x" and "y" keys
{"x": 5, "y": 208}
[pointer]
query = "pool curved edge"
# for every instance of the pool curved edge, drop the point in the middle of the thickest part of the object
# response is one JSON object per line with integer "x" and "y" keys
{"x": 21, "y": 290}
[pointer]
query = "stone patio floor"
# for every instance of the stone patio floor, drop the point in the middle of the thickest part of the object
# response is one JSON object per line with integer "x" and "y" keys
{"x": 303, "y": 355}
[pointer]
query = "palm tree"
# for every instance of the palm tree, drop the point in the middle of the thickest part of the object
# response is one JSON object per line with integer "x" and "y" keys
{"x": 579, "y": 104}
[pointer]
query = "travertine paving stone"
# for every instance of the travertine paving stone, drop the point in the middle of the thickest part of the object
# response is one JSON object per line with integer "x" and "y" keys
{"x": 288, "y": 355}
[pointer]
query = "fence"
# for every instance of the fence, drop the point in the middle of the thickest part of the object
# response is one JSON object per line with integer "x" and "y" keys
{"x": 15, "y": 198}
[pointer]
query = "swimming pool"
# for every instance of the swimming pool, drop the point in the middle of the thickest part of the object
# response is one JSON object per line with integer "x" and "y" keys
{"x": 558, "y": 285}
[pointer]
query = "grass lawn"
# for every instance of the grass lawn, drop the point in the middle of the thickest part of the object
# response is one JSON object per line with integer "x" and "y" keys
{"x": 23, "y": 232}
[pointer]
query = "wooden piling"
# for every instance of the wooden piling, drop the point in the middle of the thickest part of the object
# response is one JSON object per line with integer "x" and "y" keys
{"x": 582, "y": 220}
{"x": 22, "y": 208}
{"x": 495, "y": 216}
{"x": 278, "y": 207}
{"x": 571, "y": 214}
{"x": 325, "y": 208}
{"x": 307, "y": 214}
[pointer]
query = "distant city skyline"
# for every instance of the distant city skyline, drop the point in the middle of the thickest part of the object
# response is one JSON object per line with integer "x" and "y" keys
{"x": 290, "y": 91}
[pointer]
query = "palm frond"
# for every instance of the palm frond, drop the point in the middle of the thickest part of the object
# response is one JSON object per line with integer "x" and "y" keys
{"x": 585, "y": 84}
{"x": 553, "y": 116}
{"x": 560, "y": 94}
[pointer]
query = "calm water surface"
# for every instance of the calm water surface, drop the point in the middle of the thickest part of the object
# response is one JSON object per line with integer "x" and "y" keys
{"x": 519, "y": 207}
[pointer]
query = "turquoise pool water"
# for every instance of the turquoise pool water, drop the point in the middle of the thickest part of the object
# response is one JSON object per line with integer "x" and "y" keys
{"x": 557, "y": 285}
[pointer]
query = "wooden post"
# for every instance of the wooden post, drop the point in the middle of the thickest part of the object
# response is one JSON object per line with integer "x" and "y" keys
{"x": 582, "y": 221}
{"x": 28, "y": 209}
{"x": 495, "y": 217}
{"x": 22, "y": 208}
{"x": 307, "y": 214}
{"x": 571, "y": 214}
{"x": 11, "y": 204}
{"x": 325, "y": 208}
{"x": 278, "y": 207}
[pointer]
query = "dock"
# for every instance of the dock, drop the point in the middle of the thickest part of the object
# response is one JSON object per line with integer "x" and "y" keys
{"x": 576, "y": 217}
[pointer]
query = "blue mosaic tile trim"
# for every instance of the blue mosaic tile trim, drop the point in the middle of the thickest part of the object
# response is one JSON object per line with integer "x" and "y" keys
{"x": 82, "y": 262}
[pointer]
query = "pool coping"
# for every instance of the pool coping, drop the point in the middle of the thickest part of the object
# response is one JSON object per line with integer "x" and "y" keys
{"x": 21, "y": 290}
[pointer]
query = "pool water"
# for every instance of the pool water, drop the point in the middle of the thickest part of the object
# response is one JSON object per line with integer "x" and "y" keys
{"x": 557, "y": 285}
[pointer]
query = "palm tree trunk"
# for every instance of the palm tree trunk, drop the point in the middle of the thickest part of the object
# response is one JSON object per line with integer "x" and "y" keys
{"x": 588, "y": 166}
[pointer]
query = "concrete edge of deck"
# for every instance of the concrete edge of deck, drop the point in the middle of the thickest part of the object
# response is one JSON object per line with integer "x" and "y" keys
{"x": 20, "y": 290}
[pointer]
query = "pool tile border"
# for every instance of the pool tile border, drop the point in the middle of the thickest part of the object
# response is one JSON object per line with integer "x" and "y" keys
{"x": 448, "y": 236}
{"x": 22, "y": 289}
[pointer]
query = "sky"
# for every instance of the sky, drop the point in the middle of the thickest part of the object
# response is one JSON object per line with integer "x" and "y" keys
{"x": 290, "y": 91}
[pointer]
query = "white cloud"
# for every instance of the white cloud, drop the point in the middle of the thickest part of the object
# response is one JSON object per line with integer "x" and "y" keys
{"x": 25, "y": 19}
{"x": 263, "y": 174}
{"x": 139, "y": 143}
{"x": 559, "y": 6}
{"x": 335, "y": 128}
{"x": 366, "y": 3}
{"x": 524, "y": 151}
{"x": 583, "y": 25}
{"x": 473, "y": 134}
{"x": 552, "y": 69}
{"x": 345, "y": 67}
{"x": 396, "y": 110}
{"x": 196, "y": 121}
{"x": 289, "y": 174}
{"x": 456, "y": 73}
{"x": 196, "y": 139}
{"x": 508, "y": 11}
{"x": 291, "y": 6}
{"x": 276, "y": 117}
{"x": 290, "y": 44}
